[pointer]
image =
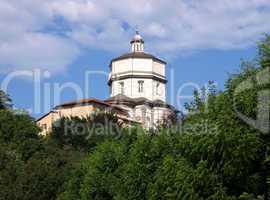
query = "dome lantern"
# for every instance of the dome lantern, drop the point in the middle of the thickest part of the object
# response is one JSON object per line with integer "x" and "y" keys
{"x": 137, "y": 43}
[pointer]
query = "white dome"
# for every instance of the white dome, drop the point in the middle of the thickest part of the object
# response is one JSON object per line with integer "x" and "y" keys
{"x": 137, "y": 37}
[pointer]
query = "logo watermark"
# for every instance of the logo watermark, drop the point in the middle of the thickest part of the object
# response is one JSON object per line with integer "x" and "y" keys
{"x": 259, "y": 82}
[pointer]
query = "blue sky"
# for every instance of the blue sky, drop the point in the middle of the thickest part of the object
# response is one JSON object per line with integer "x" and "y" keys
{"x": 200, "y": 40}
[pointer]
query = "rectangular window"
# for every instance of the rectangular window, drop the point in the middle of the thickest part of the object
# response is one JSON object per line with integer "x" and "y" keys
{"x": 122, "y": 86}
{"x": 157, "y": 88}
{"x": 140, "y": 86}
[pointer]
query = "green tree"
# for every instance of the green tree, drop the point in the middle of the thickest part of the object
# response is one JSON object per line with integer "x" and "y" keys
{"x": 85, "y": 133}
{"x": 5, "y": 101}
{"x": 31, "y": 167}
{"x": 97, "y": 178}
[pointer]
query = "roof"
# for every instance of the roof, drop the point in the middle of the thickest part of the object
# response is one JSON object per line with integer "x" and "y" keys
{"x": 43, "y": 116}
{"x": 138, "y": 55}
{"x": 82, "y": 102}
{"x": 125, "y": 100}
{"x": 120, "y": 99}
{"x": 86, "y": 102}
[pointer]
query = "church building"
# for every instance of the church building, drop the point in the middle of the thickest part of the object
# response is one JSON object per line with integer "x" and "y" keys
{"x": 137, "y": 83}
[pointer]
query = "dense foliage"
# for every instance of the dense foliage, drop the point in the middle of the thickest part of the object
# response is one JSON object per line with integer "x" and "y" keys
{"x": 219, "y": 152}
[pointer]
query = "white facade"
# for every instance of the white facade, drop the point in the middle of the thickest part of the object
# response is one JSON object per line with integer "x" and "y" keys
{"x": 139, "y": 87}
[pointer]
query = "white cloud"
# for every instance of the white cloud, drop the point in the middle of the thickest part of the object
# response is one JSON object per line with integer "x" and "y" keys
{"x": 24, "y": 46}
{"x": 169, "y": 27}
{"x": 37, "y": 50}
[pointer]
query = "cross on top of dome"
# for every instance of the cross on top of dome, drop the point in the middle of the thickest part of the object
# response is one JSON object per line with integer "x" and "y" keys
{"x": 137, "y": 37}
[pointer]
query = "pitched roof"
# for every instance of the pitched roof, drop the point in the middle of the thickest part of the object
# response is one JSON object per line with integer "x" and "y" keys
{"x": 82, "y": 102}
{"x": 43, "y": 116}
{"x": 138, "y": 55}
